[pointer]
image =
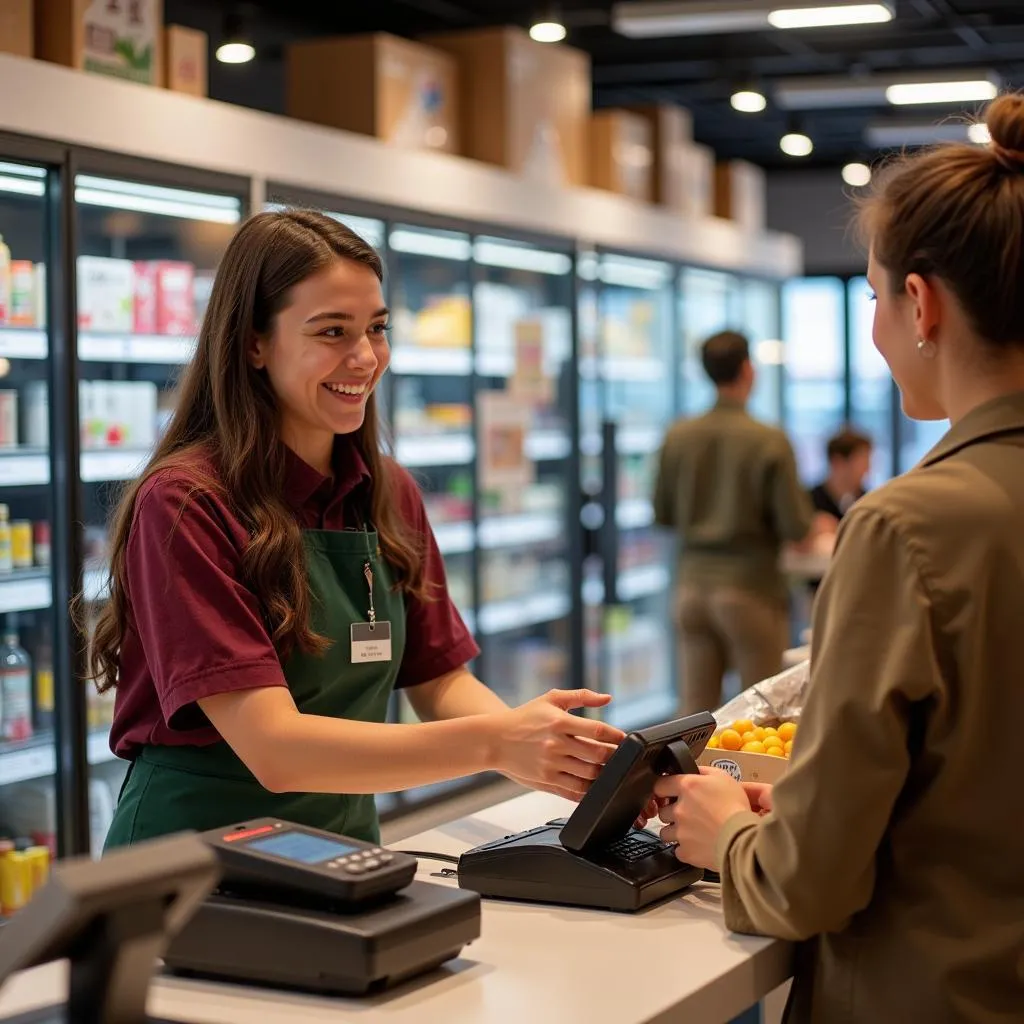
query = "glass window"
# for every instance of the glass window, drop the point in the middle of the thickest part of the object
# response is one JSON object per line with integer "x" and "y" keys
{"x": 814, "y": 328}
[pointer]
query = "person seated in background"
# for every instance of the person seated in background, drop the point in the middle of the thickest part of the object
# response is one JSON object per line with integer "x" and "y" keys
{"x": 849, "y": 462}
{"x": 728, "y": 487}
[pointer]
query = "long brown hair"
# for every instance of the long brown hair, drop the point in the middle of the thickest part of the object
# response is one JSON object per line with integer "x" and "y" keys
{"x": 956, "y": 212}
{"x": 226, "y": 416}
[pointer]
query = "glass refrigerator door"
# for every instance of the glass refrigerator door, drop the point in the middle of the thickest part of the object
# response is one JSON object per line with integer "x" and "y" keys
{"x": 522, "y": 299}
{"x": 27, "y": 706}
{"x": 635, "y": 368}
{"x": 432, "y": 397}
{"x": 706, "y": 306}
{"x": 147, "y": 256}
{"x": 758, "y": 319}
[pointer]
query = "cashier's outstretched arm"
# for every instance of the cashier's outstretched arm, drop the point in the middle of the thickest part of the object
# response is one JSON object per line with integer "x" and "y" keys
{"x": 539, "y": 743}
{"x": 810, "y": 865}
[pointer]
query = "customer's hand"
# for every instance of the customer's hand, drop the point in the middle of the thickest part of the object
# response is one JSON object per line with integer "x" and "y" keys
{"x": 541, "y": 745}
{"x": 701, "y": 805}
{"x": 760, "y": 796}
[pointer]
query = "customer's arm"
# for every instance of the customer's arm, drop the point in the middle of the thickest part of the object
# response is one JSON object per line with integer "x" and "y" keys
{"x": 810, "y": 865}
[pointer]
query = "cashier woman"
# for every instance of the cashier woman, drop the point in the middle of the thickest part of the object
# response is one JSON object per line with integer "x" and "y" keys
{"x": 275, "y": 579}
{"x": 895, "y": 847}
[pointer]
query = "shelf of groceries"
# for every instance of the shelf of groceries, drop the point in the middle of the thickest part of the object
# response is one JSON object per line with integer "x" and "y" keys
{"x": 36, "y": 758}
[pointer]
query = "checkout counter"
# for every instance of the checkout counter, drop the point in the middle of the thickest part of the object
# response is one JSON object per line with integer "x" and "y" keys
{"x": 676, "y": 961}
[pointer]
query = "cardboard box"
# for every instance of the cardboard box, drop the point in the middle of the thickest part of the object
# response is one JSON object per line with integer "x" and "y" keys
{"x": 525, "y": 106}
{"x": 175, "y": 298}
{"x": 106, "y": 294}
{"x": 16, "y": 28}
{"x": 402, "y": 92}
{"x": 697, "y": 171}
{"x": 185, "y": 60}
{"x": 746, "y": 767}
{"x": 672, "y": 131}
{"x": 740, "y": 194}
{"x": 108, "y": 37}
{"x": 145, "y": 297}
{"x": 622, "y": 153}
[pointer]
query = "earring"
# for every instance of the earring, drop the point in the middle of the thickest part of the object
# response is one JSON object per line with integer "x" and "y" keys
{"x": 926, "y": 349}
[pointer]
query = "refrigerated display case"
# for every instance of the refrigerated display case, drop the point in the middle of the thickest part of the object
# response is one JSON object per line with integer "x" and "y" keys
{"x": 628, "y": 398}
{"x": 146, "y": 256}
{"x": 28, "y": 697}
{"x": 525, "y": 401}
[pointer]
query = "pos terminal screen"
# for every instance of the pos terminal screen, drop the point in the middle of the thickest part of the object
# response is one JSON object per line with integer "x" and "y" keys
{"x": 301, "y": 847}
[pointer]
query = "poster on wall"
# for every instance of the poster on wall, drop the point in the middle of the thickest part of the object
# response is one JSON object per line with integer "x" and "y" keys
{"x": 504, "y": 423}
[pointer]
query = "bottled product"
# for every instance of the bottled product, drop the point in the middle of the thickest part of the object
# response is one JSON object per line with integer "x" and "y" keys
{"x": 44, "y": 684}
{"x": 41, "y": 543}
{"x": 8, "y": 419}
{"x": 16, "y": 683}
{"x": 21, "y": 544}
{"x": 6, "y": 554}
{"x": 5, "y": 282}
{"x": 39, "y": 296}
{"x": 22, "y": 296}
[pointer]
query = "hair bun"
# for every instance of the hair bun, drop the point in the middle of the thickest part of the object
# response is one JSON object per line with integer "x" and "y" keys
{"x": 1005, "y": 120}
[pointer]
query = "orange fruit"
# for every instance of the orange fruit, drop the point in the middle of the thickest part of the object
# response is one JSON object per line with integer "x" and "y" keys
{"x": 787, "y": 730}
{"x": 788, "y": 748}
{"x": 754, "y": 747}
{"x": 773, "y": 741}
{"x": 775, "y": 751}
{"x": 742, "y": 725}
{"x": 749, "y": 736}
{"x": 759, "y": 732}
{"x": 713, "y": 743}
{"x": 770, "y": 731}
{"x": 730, "y": 740}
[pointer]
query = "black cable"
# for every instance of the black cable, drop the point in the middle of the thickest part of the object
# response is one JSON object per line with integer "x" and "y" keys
{"x": 423, "y": 855}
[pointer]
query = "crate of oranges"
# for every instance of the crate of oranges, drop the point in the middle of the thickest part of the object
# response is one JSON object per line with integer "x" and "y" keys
{"x": 749, "y": 752}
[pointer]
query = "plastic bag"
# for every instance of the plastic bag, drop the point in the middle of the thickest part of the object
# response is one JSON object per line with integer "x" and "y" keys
{"x": 780, "y": 698}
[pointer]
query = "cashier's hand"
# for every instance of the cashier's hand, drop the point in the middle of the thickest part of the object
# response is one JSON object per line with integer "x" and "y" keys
{"x": 541, "y": 745}
{"x": 701, "y": 805}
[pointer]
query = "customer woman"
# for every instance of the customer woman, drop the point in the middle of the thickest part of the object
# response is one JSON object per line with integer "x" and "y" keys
{"x": 274, "y": 578}
{"x": 895, "y": 849}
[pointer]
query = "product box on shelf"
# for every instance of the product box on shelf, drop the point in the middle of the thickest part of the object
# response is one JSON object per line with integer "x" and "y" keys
{"x": 740, "y": 194}
{"x": 525, "y": 105}
{"x": 672, "y": 134}
{"x": 622, "y": 153}
{"x": 175, "y": 298}
{"x": 399, "y": 91}
{"x": 697, "y": 167}
{"x": 106, "y": 294}
{"x": 109, "y": 37}
{"x": 16, "y": 28}
{"x": 117, "y": 414}
{"x": 184, "y": 60}
{"x": 144, "y": 308}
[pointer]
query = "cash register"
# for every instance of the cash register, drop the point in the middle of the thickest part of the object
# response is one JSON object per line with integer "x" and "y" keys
{"x": 301, "y": 908}
{"x": 596, "y": 857}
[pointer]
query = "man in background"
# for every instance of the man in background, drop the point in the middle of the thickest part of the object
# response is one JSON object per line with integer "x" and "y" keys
{"x": 849, "y": 462}
{"x": 728, "y": 486}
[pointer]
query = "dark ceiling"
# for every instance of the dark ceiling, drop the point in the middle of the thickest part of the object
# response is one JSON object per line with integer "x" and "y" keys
{"x": 697, "y": 72}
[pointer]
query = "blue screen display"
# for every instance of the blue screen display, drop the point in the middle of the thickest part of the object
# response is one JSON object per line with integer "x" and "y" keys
{"x": 302, "y": 847}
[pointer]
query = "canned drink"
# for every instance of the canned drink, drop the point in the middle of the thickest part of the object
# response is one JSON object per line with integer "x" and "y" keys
{"x": 21, "y": 544}
{"x": 15, "y": 882}
{"x": 41, "y": 543}
{"x": 39, "y": 864}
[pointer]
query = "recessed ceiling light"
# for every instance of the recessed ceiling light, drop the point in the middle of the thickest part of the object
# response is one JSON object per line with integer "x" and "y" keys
{"x": 235, "y": 53}
{"x": 909, "y": 93}
{"x": 796, "y": 144}
{"x": 857, "y": 175}
{"x": 748, "y": 101}
{"x": 547, "y": 31}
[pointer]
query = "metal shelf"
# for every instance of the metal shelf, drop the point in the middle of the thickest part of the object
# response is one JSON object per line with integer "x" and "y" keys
{"x": 519, "y": 530}
{"x": 638, "y": 440}
{"x": 643, "y": 581}
{"x": 23, "y": 343}
{"x": 136, "y": 348}
{"x": 36, "y": 758}
{"x": 520, "y": 613}
{"x": 112, "y": 464}
{"x": 548, "y": 445}
{"x": 634, "y": 514}
{"x": 25, "y": 591}
{"x": 24, "y": 467}
{"x": 455, "y": 538}
{"x": 431, "y": 362}
{"x": 624, "y": 369}
{"x": 439, "y": 450}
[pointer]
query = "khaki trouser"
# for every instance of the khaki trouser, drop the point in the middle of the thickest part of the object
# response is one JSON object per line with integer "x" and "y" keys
{"x": 723, "y": 627}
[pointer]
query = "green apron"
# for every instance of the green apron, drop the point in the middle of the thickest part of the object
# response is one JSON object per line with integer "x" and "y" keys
{"x": 170, "y": 789}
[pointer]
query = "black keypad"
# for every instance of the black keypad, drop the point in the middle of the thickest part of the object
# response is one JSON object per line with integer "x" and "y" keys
{"x": 632, "y": 848}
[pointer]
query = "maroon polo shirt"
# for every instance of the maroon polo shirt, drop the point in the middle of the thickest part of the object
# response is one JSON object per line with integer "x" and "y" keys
{"x": 194, "y": 628}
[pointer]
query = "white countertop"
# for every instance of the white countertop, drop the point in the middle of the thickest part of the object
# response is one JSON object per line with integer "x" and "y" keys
{"x": 540, "y": 963}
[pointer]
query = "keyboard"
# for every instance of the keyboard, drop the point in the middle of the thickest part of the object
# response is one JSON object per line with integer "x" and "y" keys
{"x": 632, "y": 848}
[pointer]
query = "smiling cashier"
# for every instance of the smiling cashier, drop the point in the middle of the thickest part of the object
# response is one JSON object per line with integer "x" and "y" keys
{"x": 274, "y": 578}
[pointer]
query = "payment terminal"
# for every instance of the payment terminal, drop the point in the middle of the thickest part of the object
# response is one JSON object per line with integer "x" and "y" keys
{"x": 596, "y": 858}
{"x": 303, "y": 908}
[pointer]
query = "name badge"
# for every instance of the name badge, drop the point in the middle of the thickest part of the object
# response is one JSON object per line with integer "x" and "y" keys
{"x": 371, "y": 641}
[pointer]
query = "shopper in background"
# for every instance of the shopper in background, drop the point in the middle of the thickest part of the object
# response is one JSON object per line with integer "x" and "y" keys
{"x": 895, "y": 849}
{"x": 274, "y": 578}
{"x": 849, "y": 462}
{"x": 728, "y": 486}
